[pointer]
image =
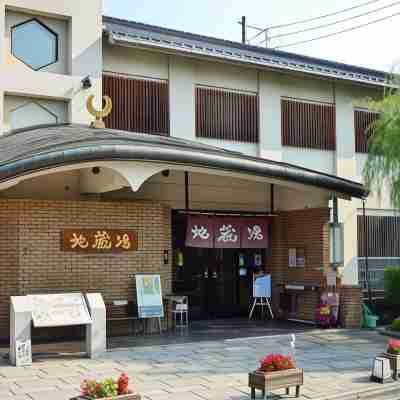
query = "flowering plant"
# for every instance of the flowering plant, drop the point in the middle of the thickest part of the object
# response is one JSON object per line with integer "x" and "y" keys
{"x": 394, "y": 346}
{"x": 276, "y": 362}
{"x": 92, "y": 389}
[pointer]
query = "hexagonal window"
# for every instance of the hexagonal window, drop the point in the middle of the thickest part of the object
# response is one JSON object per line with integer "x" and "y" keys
{"x": 34, "y": 44}
{"x": 31, "y": 114}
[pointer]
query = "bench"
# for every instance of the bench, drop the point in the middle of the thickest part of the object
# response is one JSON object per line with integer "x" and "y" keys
{"x": 121, "y": 311}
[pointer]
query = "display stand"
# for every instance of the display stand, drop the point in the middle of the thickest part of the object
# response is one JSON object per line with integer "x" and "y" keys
{"x": 261, "y": 294}
{"x": 149, "y": 297}
{"x": 53, "y": 310}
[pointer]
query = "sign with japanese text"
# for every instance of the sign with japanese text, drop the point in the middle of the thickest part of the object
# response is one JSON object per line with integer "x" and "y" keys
{"x": 59, "y": 309}
{"x": 255, "y": 233}
{"x": 99, "y": 240}
{"x": 227, "y": 233}
{"x": 149, "y": 297}
{"x": 199, "y": 231}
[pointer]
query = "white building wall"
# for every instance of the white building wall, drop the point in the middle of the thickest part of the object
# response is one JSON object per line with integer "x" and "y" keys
{"x": 79, "y": 25}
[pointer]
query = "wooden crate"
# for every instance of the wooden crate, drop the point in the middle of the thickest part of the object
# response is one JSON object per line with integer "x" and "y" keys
{"x": 122, "y": 397}
{"x": 267, "y": 382}
{"x": 394, "y": 363}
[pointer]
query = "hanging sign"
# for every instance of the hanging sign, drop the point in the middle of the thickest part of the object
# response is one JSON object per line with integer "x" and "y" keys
{"x": 200, "y": 231}
{"x": 149, "y": 298}
{"x": 255, "y": 233}
{"x": 99, "y": 240}
{"x": 227, "y": 233}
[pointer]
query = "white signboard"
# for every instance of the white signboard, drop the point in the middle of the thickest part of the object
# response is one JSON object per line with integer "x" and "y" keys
{"x": 149, "y": 298}
{"x": 23, "y": 353}
{"x": 262, "y": 286}
{"x": 59, "y": 310}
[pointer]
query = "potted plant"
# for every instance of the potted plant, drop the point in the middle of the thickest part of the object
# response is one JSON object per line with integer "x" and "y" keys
{"x": 108, "y": 389}
{"x": 276, "y": 371}
{"x": 393, "y": 354}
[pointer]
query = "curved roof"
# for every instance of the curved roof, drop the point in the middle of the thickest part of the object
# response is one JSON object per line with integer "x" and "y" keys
{"x": 26, "y": 151}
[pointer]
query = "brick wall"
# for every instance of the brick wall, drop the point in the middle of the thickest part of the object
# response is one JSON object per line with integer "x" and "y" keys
{"x": 31, "y": 256}
{"x": 307, "y": 229}
{"x": 350, "y": 310}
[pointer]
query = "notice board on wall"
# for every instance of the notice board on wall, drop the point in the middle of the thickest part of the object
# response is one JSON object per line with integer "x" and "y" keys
{"x": 59, "y": 309}
{"x": 149, "y": 296}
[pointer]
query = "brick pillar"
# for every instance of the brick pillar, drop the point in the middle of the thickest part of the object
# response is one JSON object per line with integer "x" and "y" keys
{"x": 350, "y": 306}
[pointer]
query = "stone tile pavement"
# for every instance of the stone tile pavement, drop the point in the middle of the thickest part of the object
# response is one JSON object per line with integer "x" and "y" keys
{"x": 334, "y": 362}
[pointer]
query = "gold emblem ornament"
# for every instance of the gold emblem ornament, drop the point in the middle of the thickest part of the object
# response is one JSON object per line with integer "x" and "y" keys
{"x": 99, "y": 115}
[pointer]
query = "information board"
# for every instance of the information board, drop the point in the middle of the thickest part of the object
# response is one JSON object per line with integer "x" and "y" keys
{"x": 262, "y": 286}
{"x": 61, "y": 309}
{"x": 23, "y": 353}
{"x": 149, "y": 297}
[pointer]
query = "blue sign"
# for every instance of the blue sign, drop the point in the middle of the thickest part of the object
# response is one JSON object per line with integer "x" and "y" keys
{"x": 262, "y": 286}
{"x": 149, "y": 298}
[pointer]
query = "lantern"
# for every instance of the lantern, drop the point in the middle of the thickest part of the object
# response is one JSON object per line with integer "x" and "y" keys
{"x": 381, "y": 371}
{"x": 336, "y": 244}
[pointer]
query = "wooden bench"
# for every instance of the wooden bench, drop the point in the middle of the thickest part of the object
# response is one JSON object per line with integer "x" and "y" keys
{"x": 121, "y": 311}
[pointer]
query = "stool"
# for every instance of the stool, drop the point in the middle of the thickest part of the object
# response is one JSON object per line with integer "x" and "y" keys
{"x": 181, "y": 309}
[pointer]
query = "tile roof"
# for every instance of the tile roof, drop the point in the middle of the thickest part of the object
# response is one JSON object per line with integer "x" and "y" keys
{"x": 41, "y": 148}
{"x": 138, "y": 34}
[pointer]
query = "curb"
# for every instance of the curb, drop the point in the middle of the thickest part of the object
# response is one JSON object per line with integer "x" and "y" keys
{"x": 386, "y": 389}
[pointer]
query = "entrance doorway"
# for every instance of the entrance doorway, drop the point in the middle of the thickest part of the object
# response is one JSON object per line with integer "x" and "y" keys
{"x": 218, "y": 282}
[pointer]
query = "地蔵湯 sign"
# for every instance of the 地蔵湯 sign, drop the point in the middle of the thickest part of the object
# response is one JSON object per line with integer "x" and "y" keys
{"x": 99, "y": 240}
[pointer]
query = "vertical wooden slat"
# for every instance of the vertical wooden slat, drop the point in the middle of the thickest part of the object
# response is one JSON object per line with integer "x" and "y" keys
{"x": 226, "y": 115}
{"x": 362, "y": 121}
{"x": 138, "y": 105}
{"x": 308, "y": 125}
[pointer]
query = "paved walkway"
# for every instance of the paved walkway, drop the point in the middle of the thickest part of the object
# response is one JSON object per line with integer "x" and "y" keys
{"x": 334, "y": 362}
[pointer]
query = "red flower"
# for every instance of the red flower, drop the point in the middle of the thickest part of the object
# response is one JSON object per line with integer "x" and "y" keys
{"x": 123, "y": 383}
{"x": 276, "y": 362}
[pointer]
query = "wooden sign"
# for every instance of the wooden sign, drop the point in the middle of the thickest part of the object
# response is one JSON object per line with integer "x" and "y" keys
{"x": 59, "y": 309}
{"x": 99, "y": 240}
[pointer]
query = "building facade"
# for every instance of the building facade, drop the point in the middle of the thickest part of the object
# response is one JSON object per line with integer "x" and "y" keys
{"x": 200, "y": 128}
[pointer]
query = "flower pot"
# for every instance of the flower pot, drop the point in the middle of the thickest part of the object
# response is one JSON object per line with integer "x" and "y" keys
{"x": 269, "y": 381}
{"x": 121, "y": 397}
{"x": 394, "y": 363}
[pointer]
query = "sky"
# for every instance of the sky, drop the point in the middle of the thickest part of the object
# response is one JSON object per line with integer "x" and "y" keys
{"x": 375, "y": 46}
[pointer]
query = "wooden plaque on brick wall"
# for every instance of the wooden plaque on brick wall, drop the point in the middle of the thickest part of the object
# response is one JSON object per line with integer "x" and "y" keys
{"x": 99, "y": 240}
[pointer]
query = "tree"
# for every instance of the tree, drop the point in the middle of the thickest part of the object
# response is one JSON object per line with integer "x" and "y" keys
{"x": 383, "y": 162}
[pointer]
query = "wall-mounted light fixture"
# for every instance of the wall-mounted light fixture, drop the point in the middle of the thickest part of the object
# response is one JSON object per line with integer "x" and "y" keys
{"x": 86, "y": 82}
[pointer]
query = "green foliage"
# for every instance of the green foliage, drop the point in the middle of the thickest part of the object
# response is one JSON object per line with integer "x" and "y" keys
{"x": 396, "y": 326}
{"x": 383, "y": 163}
{"x": 392, "y": 287}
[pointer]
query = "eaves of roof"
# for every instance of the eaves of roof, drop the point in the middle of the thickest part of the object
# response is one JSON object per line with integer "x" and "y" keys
{"x": 137, "y": 34}
{"x": 44, "y": 148}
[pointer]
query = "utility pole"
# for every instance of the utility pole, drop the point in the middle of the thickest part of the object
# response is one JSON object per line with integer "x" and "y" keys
{"x": 244, "y": 39}
{"x": 266, "y": 38}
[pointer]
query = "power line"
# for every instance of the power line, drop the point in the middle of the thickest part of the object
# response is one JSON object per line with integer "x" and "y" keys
{"x": 312, "y": 19}
{"x": 339, "y": 32}
{"x": 333, "y": 23}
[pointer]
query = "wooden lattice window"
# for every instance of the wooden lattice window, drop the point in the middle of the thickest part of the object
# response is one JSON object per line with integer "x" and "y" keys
{"x": 138, "y": 105}
{"x": 308, "y": 124}
{"x": 226, "y": 115}
{"x": 362, "y": 122}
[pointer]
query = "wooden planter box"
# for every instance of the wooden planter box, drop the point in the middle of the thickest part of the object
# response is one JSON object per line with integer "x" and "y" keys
{"x": 267, "y": 382}
{"x": 394, "y": 363}
{"x": 122, "y": 397}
